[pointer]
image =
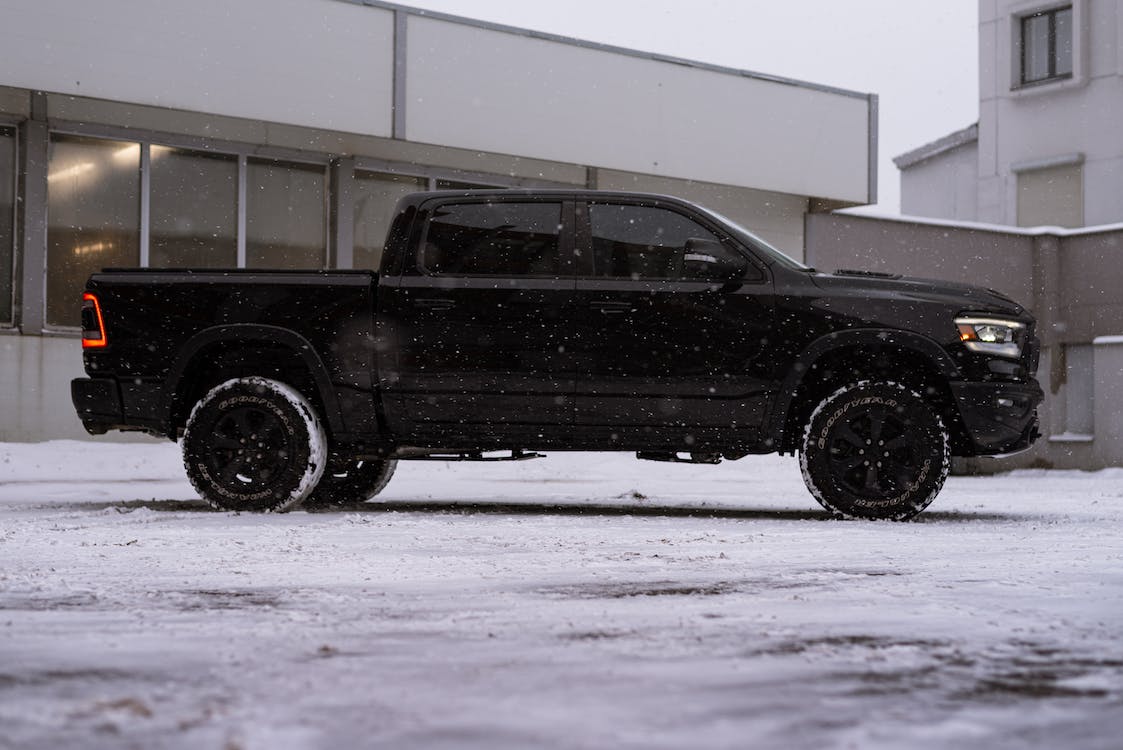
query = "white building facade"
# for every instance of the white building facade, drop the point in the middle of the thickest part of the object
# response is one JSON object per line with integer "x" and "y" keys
{"x": 1048, "y": 147}
{"x": 280, "y": 134}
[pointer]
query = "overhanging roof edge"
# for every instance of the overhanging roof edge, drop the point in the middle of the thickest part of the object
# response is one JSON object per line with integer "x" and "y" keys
{"x": 574, "y": 41}
{"x": 939, "y": 146}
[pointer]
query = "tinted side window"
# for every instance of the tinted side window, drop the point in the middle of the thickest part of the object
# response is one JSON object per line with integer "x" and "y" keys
{"x": 499, "y": 239}
{"x": 641, "y": 242}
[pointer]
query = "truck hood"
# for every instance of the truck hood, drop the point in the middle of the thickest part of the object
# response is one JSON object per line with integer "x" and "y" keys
{"x": 951, "y": 293}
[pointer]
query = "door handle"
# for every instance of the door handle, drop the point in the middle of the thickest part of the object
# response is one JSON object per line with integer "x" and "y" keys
{"x": 611, "y": 308}
{"x": 434, "y": 303}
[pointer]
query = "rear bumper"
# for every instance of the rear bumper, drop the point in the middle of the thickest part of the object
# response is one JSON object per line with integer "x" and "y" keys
{"x": 105, "y": 404}
{"x": 999, "y": 417}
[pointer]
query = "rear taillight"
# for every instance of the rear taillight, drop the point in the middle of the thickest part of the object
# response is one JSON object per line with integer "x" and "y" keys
{"x": 93, "y": 326}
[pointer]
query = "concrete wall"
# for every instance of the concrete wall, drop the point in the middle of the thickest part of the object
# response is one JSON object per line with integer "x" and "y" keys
{"x": 999, "y": 260}
{"x": 943, "y": 187}
{"x": 1072, "y": 281}
{"x": 36, "y": 372}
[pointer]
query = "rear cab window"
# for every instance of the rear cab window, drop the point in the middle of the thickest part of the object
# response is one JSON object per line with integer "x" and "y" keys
{"x": 495, "y": 238}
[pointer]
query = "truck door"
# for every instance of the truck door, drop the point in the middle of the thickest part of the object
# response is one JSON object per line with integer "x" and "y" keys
{"x": 662, "y": 337}
{"x": 480, "y": 318}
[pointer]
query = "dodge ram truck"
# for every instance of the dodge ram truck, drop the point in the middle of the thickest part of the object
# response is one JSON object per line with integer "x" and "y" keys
{"x": 505, "y": 323}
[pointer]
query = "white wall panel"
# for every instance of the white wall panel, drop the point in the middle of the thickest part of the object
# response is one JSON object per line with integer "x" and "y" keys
{"x": 508, "y": 93}
{"x": 319, "y": 64}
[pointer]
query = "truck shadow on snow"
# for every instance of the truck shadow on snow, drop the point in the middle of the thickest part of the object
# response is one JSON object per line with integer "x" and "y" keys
{"x": 591, "y": 509}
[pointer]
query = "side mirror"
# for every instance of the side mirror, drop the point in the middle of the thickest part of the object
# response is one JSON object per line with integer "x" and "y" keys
{"x": 710, "y": 260}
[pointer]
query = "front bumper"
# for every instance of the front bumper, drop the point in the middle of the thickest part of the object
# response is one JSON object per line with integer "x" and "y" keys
{"x": 105, "y": 404}
{"x": 999, "y": 417}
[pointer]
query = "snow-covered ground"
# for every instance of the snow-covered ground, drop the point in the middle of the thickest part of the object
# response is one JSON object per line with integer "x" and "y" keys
{"x": 581, "y": 601}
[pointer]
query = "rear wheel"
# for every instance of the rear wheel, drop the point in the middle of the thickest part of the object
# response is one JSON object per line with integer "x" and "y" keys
{"x": 351, "y": 481}
{"x": 875, "y": 450}
{"x": 254, "y": 444}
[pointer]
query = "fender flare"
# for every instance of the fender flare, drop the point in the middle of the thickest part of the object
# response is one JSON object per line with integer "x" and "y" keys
{"x": 827, "y": 343}
{"x": 255, "y": 333}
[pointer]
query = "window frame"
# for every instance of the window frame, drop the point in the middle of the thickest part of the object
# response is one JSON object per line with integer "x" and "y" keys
{"x": 1010, "y": 48}
{"x": 1050, "y": 15}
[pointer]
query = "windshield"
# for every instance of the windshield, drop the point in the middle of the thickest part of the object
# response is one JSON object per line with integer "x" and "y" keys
{"x": 771, "y": 254}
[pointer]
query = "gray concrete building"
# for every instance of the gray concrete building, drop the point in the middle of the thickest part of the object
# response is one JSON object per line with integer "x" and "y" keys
{"x": 1048, "y": 148}
{"x": 280, "y": 133}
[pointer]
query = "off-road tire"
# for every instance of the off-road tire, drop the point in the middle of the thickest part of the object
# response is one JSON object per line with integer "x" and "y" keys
{"x": 254, "y": 444}
{"x": 350, "y": 482}
{"x": 875, "y": 450}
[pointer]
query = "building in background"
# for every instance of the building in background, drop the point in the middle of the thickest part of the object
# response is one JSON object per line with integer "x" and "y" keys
{"x": 280, "y": 134}
{"x": 1048, "y": 147}
{"x": 1027, "y": 201}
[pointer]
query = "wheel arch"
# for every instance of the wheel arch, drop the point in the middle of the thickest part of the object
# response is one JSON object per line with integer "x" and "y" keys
{"x": 839, "y": 358}
{"x": 188, "y": 377}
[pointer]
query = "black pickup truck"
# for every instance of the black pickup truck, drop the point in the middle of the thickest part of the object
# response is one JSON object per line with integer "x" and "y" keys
{"x": 511, "y": 322}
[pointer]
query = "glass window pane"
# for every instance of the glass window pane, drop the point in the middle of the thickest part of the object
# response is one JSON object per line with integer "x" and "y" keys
{"x": 1035, "y": 52}
{"x": 641, "y": 242}
{"x": 93, "y": 217}
{"x": 7, "y": 220}
{"x": 1064, "y": 42}
{"x": 194, "y": 209}
{"x": 285, "y": 215}
{"x": 376, "y": 195}
{"x": 502, "y": 239}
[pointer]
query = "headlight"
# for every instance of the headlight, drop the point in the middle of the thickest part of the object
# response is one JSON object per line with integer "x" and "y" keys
{"x": 991, "y": 335}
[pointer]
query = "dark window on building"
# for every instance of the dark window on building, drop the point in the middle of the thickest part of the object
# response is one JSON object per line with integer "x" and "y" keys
{"x": 1047, "y": 45}
{"x": 286, "y": 216}
{"x": 493, "y": 239}
{"x": 7, "y": 221}
{"x": 376, "y": 195}
{"x": 194, "y": 209}
{"x": 93, "y": 217}
{"x": 641, "y": 242}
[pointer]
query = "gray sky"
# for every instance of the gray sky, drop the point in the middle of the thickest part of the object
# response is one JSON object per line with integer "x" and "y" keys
{"x": 919, "y": 56}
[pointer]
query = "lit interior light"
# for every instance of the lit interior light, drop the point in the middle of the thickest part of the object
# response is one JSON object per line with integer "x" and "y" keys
{"x": 92, "y": 248}
{"x": 71, "y": 171}
{"x": 128, "y": 153}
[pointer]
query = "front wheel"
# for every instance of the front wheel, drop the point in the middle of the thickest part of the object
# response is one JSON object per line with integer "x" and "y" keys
{"x": 875, "y": 450}
{"x": 254, "y": 444}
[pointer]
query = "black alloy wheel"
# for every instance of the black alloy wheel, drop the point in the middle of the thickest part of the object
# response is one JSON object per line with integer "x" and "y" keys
{"x": 254, "y": 444}
{"x": 875, "y": 450}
